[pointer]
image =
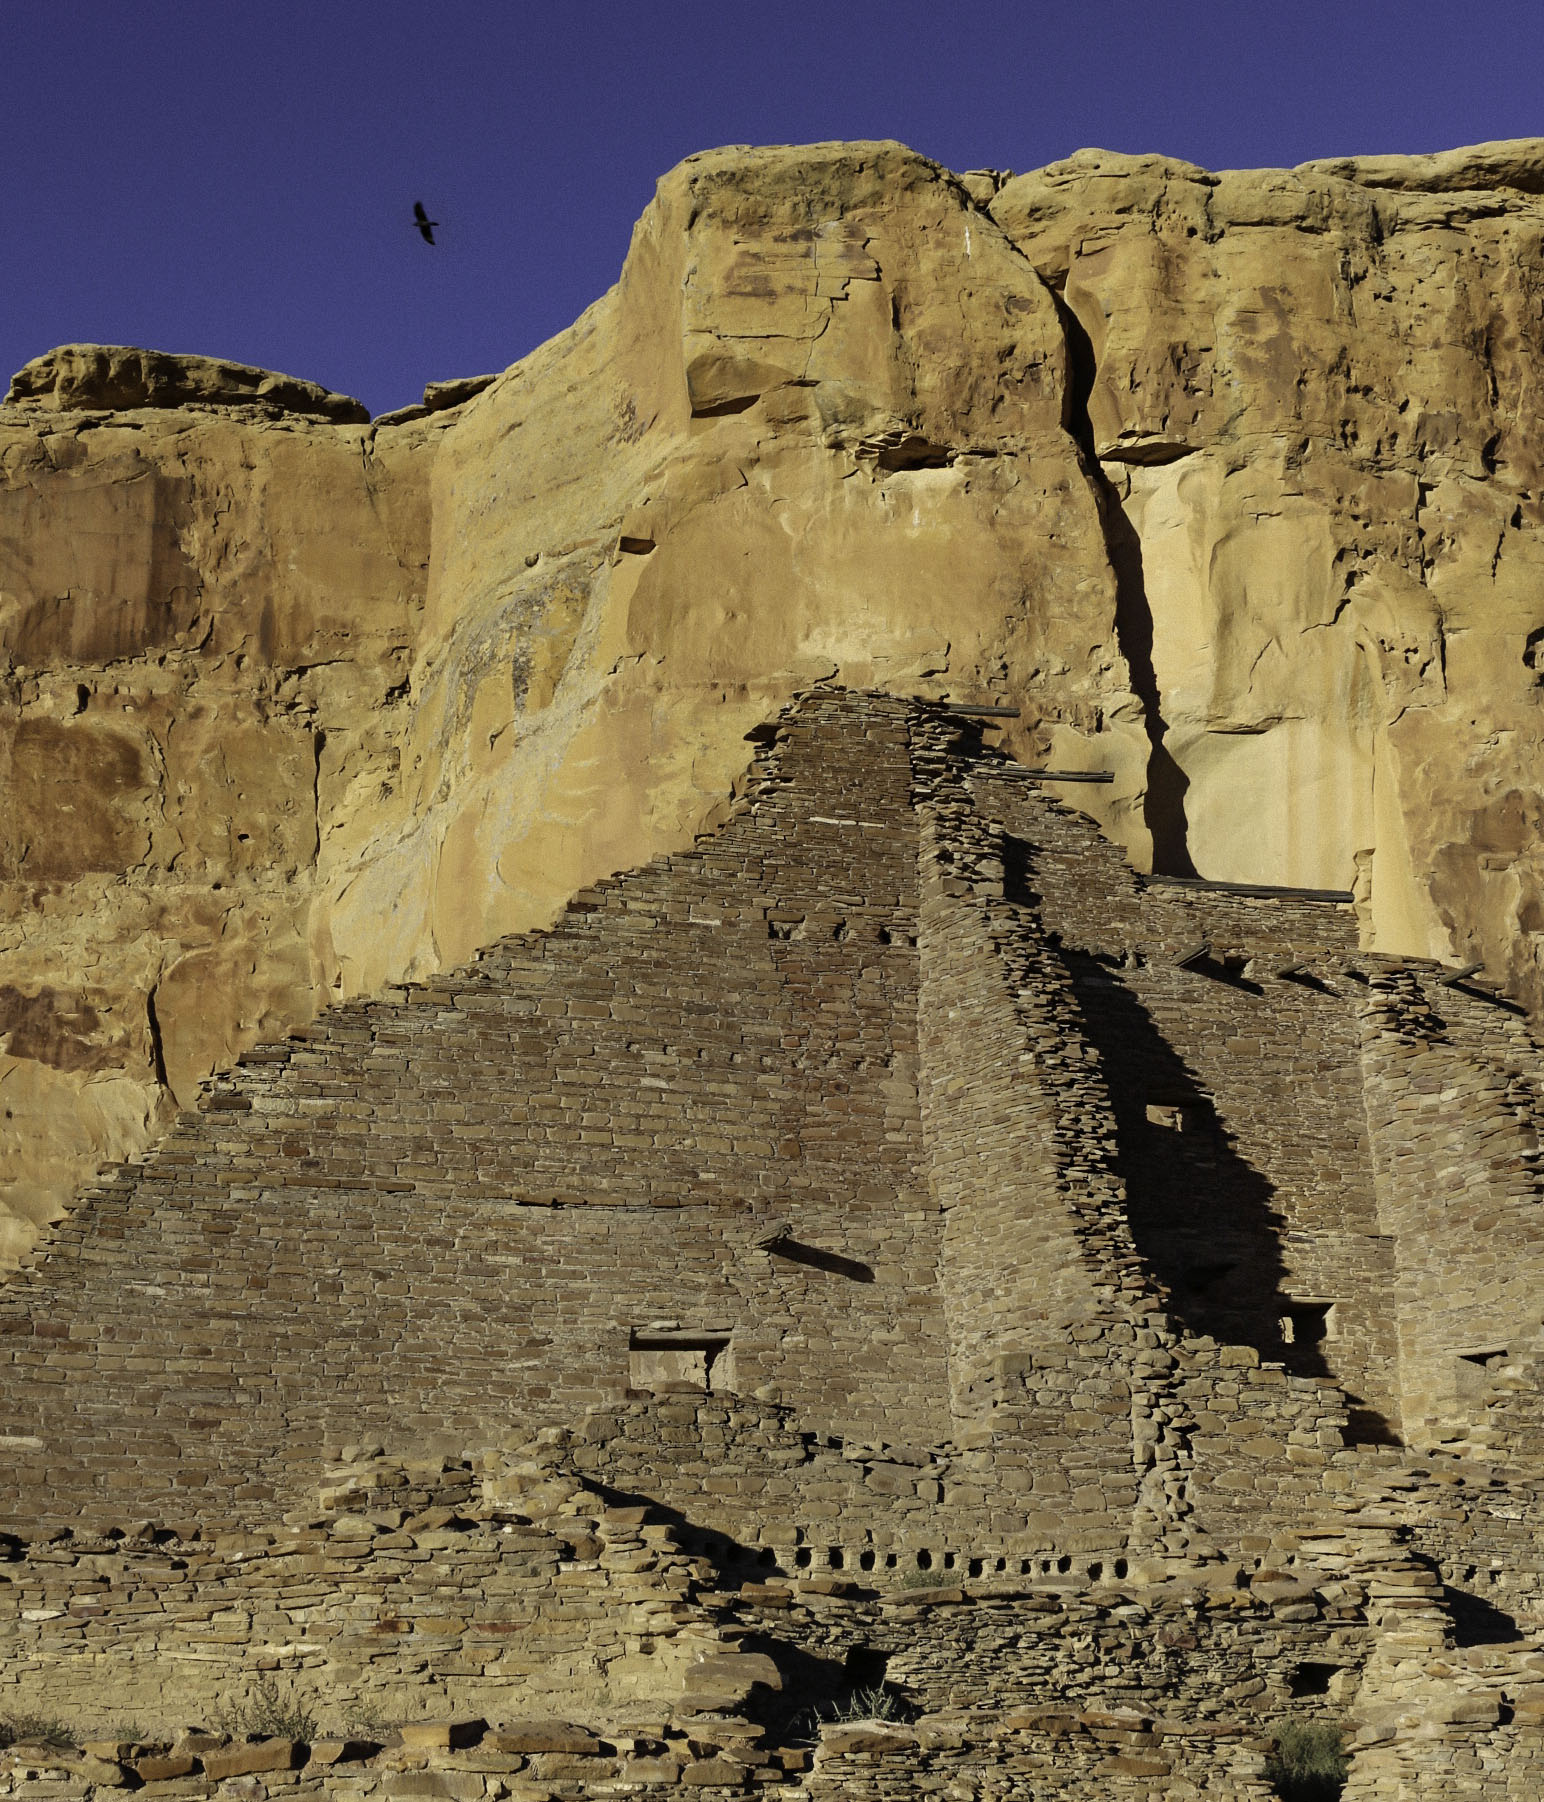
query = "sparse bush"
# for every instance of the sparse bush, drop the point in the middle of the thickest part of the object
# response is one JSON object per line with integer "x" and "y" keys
{"x": 228, "y": 1720}
{"x": 279, "y": 1716}
{"x": 1309, "y": 1763}
{"x": 35, "y": 1730}
{"x": 878, "y": 1703}
{"x": 869, "y": 1702}
{"x": 927, "y": 1579}
{"x": 366, "y": 1720}
{"x": 271, "y": 1714}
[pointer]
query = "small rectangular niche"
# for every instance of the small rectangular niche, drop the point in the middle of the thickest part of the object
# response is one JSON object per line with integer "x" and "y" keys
{"x": 1305, "y": 1321}
{"x": 1178, "y": 1116}
{"x": 1474, "y": 1371}
{"x": 668, "y": 1360}
{"x": 1311, "y": 1679}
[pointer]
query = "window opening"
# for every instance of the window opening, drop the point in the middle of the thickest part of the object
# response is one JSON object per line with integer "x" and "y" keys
{"x": 1311, "y": 1679}
{"x": 1308, "y": 1322}
{"x": 1475, "y": 1370}
{"x": 1179, "y": 1114}
{"x": 674, "y": 1360}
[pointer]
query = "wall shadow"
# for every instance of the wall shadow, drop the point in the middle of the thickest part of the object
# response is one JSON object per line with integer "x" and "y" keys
{"x": 1477, "y": 1622}
{"x": 1202, "y": 1216}
{"x": 817, "y": 1259}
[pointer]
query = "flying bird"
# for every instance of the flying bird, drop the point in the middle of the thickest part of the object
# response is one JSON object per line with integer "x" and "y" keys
{"x": 424, "y": 223}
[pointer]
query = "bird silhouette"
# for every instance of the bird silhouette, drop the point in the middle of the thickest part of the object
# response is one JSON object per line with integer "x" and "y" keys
{"x": 424, "y": 223}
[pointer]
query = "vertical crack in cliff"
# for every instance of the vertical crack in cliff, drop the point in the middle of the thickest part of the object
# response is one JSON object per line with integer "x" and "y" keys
{"x": 153, "y": 1032}
{"x": 1163, "y": 807}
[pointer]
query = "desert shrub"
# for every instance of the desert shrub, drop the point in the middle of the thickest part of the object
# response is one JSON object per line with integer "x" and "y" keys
{"x": 35, "y": 1730}
{"x": 866, "y": 1702}
{"x": 366, "y": 1719}
{"x": 928, "y": 1579}
{"x": 878, "y": 1702}
{"x": 1309, "y": 1763}
{"x": 277, "y": 1715}
{"x": 272, "y": 1713}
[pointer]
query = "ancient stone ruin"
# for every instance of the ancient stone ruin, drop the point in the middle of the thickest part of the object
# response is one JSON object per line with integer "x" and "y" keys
{"x": 893, "y": 1190}
{"x": 911, "y": 1273}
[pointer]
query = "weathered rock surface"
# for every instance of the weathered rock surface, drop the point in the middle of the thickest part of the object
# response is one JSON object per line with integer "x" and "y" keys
{"x": 205, "y": 622}
{"x": 1228, "y": 482}
{"x": 118, "y": 378}
{"x": 1314, "y": 393}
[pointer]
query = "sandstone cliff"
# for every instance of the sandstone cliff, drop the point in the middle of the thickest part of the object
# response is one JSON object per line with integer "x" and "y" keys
{"x": 1228, "y": 482}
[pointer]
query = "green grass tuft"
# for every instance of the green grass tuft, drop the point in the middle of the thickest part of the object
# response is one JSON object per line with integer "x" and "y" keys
{"x": 1309, "y": 1763}
{"x": 878, "y": 1702}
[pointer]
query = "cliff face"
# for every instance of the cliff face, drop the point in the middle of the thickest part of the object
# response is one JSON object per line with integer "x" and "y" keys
{"x": 1315, "y": 394}
{"x": 205, "y": 614}
{"x": 1228, "y": 482}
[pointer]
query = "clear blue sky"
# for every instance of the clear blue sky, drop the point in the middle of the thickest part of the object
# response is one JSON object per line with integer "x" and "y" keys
{"x": 236, "y": 176}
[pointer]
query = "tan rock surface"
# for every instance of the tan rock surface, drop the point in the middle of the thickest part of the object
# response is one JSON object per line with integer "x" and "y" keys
{"x": 1316, "y": 393}
{"x": 204, "y": 616}
{"x": 120, "y": 377}
{"x": 814, "y": 431}
{"x": 293, "y": 706}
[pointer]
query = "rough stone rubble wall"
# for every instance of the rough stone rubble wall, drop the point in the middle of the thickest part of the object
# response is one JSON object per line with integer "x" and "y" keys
{"x": 1452, "y": 1094}
{"x": 557, "y": 1592}
{"x": 497, "y": 1157}
{"x": 1235, "y": 1091}
{"x": 1034, "y": 1248}
{"x": 718, "y": 1048}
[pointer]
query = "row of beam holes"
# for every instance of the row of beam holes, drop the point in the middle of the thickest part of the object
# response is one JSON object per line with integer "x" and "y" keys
{"x": 835, "y": 1558}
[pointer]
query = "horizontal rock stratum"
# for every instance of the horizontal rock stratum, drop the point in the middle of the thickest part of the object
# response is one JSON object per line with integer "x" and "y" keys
{"x": 1228, "y": 483}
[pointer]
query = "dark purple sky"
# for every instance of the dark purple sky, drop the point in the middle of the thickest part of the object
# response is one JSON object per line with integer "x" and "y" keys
{"x": 237, "y": 176}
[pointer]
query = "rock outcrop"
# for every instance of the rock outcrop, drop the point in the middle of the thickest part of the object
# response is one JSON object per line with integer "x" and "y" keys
{"x": 1313, "y": 393}
{"x": 1226, "y": 482}
{"x": 116, "y": 378}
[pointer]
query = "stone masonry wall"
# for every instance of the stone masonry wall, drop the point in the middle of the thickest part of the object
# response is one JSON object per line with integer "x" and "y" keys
{"x": 589, "y": 1132}
{"x": 1236, "y": 1092}
{"x": 416, "y": 1593}
{"x": 1452, "y": 1091}
{"x": 1032, "y": 1251}
{"x": 893, "y": 1191}
{"x": 1109, "y": 1426}
{"x": 693, "y": 1110}
{"x": 388, "y": 1611}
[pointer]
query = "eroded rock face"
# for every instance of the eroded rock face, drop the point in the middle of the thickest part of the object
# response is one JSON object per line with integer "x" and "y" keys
{"x": 120, "y": 378}
{"x": 815, "y": 431}
{"x": 1227, "y": 482}
{"x": 205, "y": 621}
{"x": 1315, "y": 394}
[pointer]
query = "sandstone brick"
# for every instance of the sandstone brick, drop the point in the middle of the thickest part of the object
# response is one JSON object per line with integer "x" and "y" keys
{"x": 250, "y": 1758}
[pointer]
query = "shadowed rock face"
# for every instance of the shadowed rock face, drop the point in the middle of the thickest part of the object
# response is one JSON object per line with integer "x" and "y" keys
{"x": 1227, "y": 482}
